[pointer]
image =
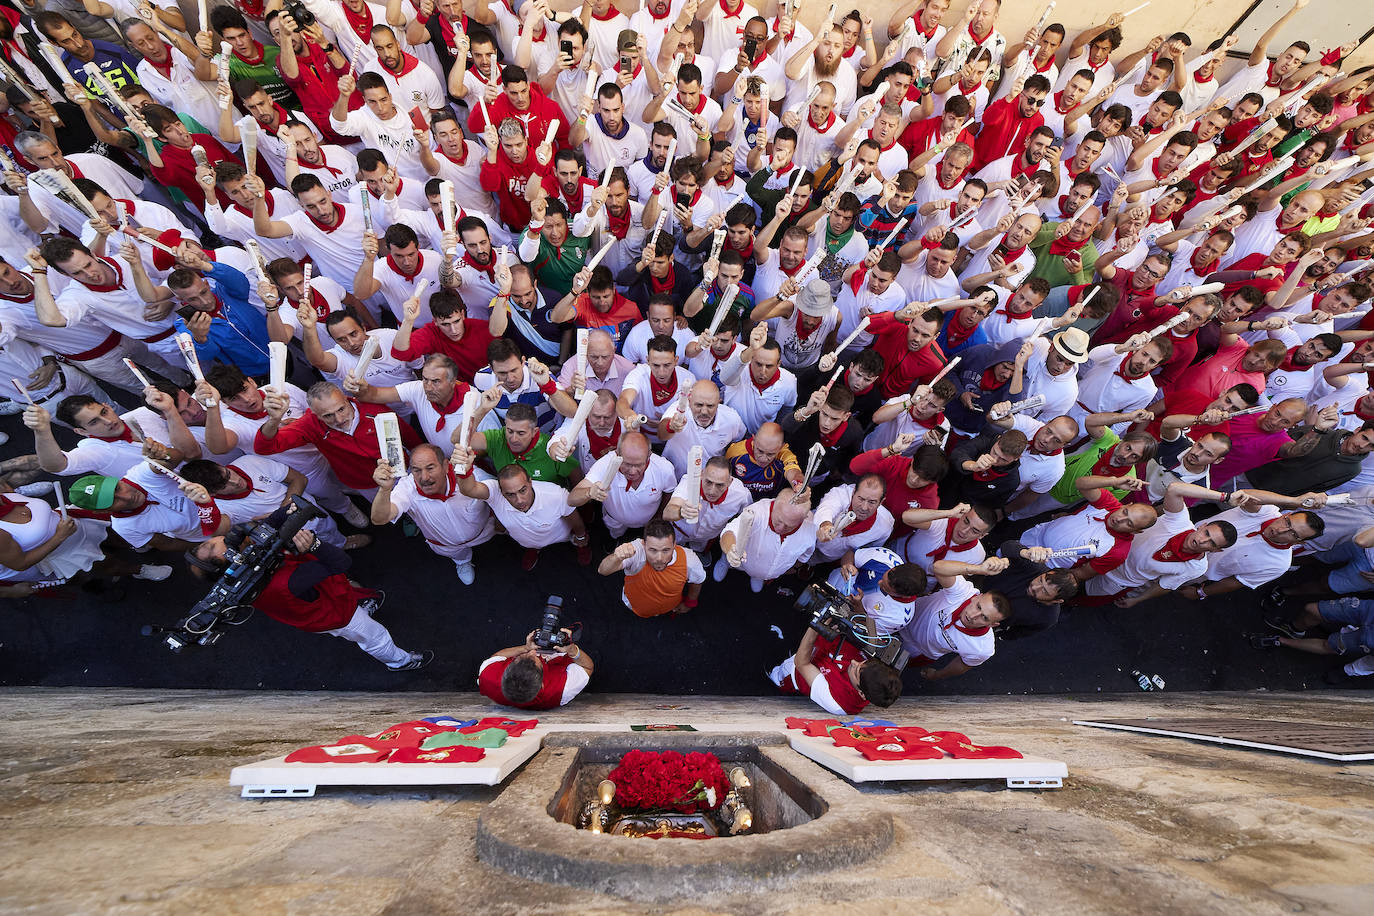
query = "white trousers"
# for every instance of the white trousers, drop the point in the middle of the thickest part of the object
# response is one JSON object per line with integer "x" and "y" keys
{"x": 372, "y": 638}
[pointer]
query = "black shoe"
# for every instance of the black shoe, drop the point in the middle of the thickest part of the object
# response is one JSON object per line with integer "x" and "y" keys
{"x": 1276, "y": 601}
{"x": 1337, "y": 677}
{"x": 371, "y": 606}
{"x": 417, "y": 660}
{"x": 1265, "y": 642}
{"x": 1284, "y": 626}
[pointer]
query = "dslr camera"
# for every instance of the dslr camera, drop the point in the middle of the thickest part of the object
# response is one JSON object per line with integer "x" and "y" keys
{"x": 298, "y": 11}
{"x": 550, "y": 636}
{"x": 832, "y": 616}
{"x": 254, "y": 552}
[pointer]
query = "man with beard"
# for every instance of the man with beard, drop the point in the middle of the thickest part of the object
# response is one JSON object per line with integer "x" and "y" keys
{"x": 1004, "y": 264}
{"x": 406, "y": 76}
{"x": 1008, "y": 123}
{"x": 837, "y": 535}
{"x": 661, "y": 577}
{"x": 1117, "y": 378}
{"x": 330, "y": 232}
{"x": 609, "y": 137}
{"x": 536, "y": 514}
{"x": 821, "y": 59}
{"x": 610, "y": 216}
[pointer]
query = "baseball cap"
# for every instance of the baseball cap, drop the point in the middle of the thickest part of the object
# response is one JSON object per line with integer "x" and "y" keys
{"x": 627, "y": 40}
{"x": 1072, "y": 344}
{"x": 94, "y": 492}
{"x": 814, "y": 299}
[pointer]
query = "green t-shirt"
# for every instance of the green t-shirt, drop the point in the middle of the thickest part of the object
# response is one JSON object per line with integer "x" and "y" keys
{"x": 536, "y": 461}
{"x": 266, "y": 75}
{"x": 556, "y": 267}
{"x": 1051, "y": 266}
{"x": 1081, "y": 465}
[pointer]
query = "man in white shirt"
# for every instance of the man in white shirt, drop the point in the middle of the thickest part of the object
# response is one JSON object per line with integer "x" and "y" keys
{"x": 700, "y": 517}
{"x": 851, "y": 517}
{"x": 780, "y": 534}
{"x": 331, "y": 233}
{"x": 451, "y": 522}
{"x": 705, "y": 422}
{"x": 535, "y": 514}
{"x": 764, "y": 390}
{"x": 951, "y": 630}
{"x": 637, "y": 490}
{"x": 380, "y": 123}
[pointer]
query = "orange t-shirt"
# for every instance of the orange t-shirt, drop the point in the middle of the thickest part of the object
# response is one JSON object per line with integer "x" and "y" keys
{"x": 651, "y": 593}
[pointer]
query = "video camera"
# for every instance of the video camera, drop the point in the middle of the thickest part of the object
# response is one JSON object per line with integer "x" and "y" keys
{"x": 833, "y": 617}
{"x": 550, "y": 636}
{"x": 254, "y": 552}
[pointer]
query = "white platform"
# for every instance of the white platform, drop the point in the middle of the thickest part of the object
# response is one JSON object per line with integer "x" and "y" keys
{"x": 276, "y": 778}
{"x": 1026, "y": 773}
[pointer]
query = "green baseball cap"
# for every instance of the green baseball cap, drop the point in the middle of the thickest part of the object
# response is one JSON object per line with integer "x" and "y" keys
{"x": 94, "y": 491}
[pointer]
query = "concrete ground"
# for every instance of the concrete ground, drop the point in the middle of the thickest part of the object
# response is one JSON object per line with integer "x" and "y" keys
{"x": 117, "y": 801}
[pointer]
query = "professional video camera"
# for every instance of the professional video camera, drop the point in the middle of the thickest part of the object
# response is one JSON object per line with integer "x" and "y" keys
{"x": 550, "y": 635}
{"x": 254, "y": 552}
{"x": 834, "y": 617}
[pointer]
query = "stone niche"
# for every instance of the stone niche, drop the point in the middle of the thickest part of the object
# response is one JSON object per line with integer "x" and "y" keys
{"x": 806, "y": 820}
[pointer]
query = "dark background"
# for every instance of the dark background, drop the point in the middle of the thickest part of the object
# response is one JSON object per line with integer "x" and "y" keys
{"x": 725, "y": 646}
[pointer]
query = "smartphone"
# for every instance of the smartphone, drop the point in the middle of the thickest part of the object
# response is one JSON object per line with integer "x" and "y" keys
{"x": 751, "y": 48}
{"x": 1057, "y": 143}
{"x": 625, "y": 65}
{"x": 565, "y": 46}
{"x": 684, "y": 200}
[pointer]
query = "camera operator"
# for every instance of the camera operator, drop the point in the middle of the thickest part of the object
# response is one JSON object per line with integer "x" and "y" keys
{"x": 837, "y": 676}
{"x": 528, "y": 677}
{"x": 311, "y": 591}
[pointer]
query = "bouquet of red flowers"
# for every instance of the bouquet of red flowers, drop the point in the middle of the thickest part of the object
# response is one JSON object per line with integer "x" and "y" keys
{"x": 669, "y": 780}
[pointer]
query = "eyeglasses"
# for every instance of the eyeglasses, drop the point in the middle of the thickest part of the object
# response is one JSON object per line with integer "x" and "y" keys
{"x": 1036, "y": 102}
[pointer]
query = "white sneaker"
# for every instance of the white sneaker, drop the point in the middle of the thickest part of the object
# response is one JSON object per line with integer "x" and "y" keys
{"x": 756, "y": 584}
{"x": 151, "y": 573}
{"x": 720, "y": 569}
{"x": 466, "y": 572}
{"x": 41, "y": 488}
{"x": 356, "y": 517}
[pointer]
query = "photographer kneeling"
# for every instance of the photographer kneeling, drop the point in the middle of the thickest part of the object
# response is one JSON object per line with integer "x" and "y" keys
{"x": 837, "y": 676}
{"x": 528, "y": 677}
{"x": 311, "y": 591}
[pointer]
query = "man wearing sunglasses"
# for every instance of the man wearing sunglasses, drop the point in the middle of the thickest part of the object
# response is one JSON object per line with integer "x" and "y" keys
{"x": 1009, "y": 122}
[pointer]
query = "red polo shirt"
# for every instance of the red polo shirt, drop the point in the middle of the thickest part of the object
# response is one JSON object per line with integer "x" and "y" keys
{"x": 903, "y": 368}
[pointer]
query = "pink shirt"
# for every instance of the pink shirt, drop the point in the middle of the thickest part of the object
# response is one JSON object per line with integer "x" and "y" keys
{"x": 1214, "y": 375}
{"x": 1250, "y": 448}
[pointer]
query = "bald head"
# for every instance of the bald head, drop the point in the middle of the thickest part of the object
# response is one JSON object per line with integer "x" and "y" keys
{"x": 769, "y": 436}
{"x": 633, "y": 447}
{"x": 600, "y": 353}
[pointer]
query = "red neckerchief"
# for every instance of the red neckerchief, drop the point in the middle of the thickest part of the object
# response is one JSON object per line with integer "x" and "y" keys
{"x": 930, "y": 422}
{"x": 1066, "y": 245}
{"x": 941, "y": 182}
{"x": 360, "y": 23}
{"x": 1291, "y": 366}
{"x": 802, "y": 331}
{"x": 1122, "y": 374}
{"x": 164, "y": 68}
{"x": 254, "y": 61}
{"x": 988, "y": 380}
{"x": 1103, "y": 466}
{"x": 611, "y": 13}
{"x": 714, "y": 502}
{"x": 867, "y": 388}
{"x": 259, "y": 414}
{"x": 666, "y": 284}
{"x": 7, "y": 505}
{"x": 419, "y": 266}
{"x": 408, "y": 63}
{"x": 1095, "y": 67}
{"x": 598, "y": 444}
{"x": 618, "y": 225}
{"x": 1173, "y": 552}
{"x": 268, "y": 200}
{"x": 920, "y": 26}
{"x": 726, "y": 10}
{"x": 107, "y": 288}
{"x": 455, "y": 402}
{"x": 661, "y": 394}
{"x": 829, "y": 439}
{"x": 992, "y": 473}
{"x": 701, "y": 106}
{"x": 782, "y": 535}
{"x": 1269, "y": 79}
{"x": 1049, "y": 64}
{"x": 323, "y": 164}
{"x": 28, "y": 298}
{"x": 460, "y": 161}
{"x": 147, "y": 501}
{"x": 820, "y": 128}
{"x": 526, "y": 452}
{"x": 974, "y": 35}
{"x": 1264, "y": 533}
{"x": 777, "y": 374}
{"x": 245, "y": 494}
{"x": 448, "y": 490}
{"x": 859, "y": 526}
{"x": 950, "y": 545}
{"x": 339, "y": 208}
{"x": 1017, "y": 169}
{"x": 1036, "y": 451}
{"x": 1356, "y": 411}
{"x": 489, "y": 268}
{"x": 1064, "y": 211}
{"x": 126, "y": 436}
{"x": 956, "y": 334}
{"x": 968, "y": 90}
{"x": 958, "y": 613}
{"x": 319, "y": 303}
{"x": 1009, "y": 254}
{"x": 1193, "y": 263}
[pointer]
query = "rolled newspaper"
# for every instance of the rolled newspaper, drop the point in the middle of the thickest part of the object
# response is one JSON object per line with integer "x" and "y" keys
{"x": 135, "y": 429}
{"x": 472, "y": 402}
{"x": 22, "y": 389}
{"x": 254, "y": 252}
{"x": 421, "y": 286}
{"x": 276, "y": 374}
{"x": 964, "y": 218}
{"x": 717, "y": 243}
{"x": 672, "y": 151}
{"x": 658, "y": 227}
{"x": 846, "y": 181}
{"x": 796, "y": 180}
{"x": 853, "y": 336}
{"x": 612, "y": 468}
{"x": 1253, "y": 138}
{"x": 1133, "y": 10}
{"x": 187, "y": 346}
{"x": 6, "y": 162}
{"x": 1030, "y": 403}
{"x": 879, "y": 91}
{"x": 203, "y": 7}
{"x": 365, "y": 358}
{"x": 357, "y": 57}
{"x": 584, "y": 410}
{"x": 138, "y": 373}
{"x": 248, "y": 134}
{"x": 695, "y": 458}
{"x": 844, "y": 521}
{"x": 813, "y": 462}
{"x": 61, "y": 500}
{"x": 482, "y": 96}
{"x": 1064, "y": 553}
{"x": 307, "y": 273}
{"x": 548, "y": 134}
{"x": 746, "y": 524}
{"x": 54, "y": 56}
{"x": 723, "y": 304}
{"x": 60, "y": 186}
{"x": 811, "y": 97}
{"x": 835, "y": 376}
{"x": 591, "y": 88}
{"x": 164, "y": 471}
{"x": 1169, "y": 325}
{"x": 601, "y": 255}
{"x": 812, "y": 264}
{"x": 389, "y": 442}
{"x": 21, "y": 83}
{"x": 365, "y": 203}
{"x": 1044, "y": 18}
{"x": 896, "y": 231}
{"x": 447, "y": 208}
{"x": 945, "y": 371}
{"x": 583, "y": 339}
{"x": 225, "y": 49}
{"x": 1203, "y": 289}
{"x": 198, "y": 154}
{"x": 108, "y": 91}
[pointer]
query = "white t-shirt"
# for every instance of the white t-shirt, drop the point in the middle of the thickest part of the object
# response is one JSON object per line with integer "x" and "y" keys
{"x": 543, "y": 524}
{"x": 631, "y": 508}
{"x": 934, "y": 633}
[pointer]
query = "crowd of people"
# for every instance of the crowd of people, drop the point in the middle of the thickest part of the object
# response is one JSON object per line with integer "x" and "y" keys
{"x": 970, "y": 326}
